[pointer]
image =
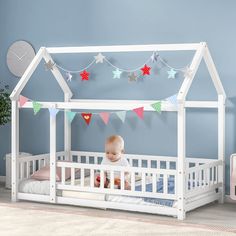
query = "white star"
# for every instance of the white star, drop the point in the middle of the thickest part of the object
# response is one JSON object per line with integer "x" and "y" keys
{"x": 99, "y": 58}
{"x": 116, "y": 73}
{"x": 68, "y": 76}
{"x": 171, "y": 73}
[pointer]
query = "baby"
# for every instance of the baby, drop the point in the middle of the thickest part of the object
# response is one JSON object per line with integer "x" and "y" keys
{"x": 114, "y": 148}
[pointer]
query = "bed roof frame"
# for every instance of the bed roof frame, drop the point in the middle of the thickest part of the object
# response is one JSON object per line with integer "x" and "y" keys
{"x": 201, "y": 53}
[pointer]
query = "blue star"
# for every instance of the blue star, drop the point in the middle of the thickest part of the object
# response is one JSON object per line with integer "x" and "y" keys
{"x": 116, "y": 73}
{"x": 171, "y": 73}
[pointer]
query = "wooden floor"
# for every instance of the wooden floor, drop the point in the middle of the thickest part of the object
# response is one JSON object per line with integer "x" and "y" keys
{"x": 213, "y": 216}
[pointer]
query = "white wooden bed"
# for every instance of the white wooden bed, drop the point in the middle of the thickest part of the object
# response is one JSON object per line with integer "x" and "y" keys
{"x": 196, "y": 181}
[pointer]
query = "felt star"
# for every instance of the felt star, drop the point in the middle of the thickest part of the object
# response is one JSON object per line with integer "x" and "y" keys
{"x": 187, "y": 72}
{"x": 84, "y": 75}
{"x": 132, "y": 77}
{"x": 146, "y": 70}
{"x": 171, "y": 73}
{"x": 116, "y": 73}
{"x": 68, "y": 76}
{"x": 49, "y": 65}
{"x": 99, "y": 58}
{"x": 154, "y": 56}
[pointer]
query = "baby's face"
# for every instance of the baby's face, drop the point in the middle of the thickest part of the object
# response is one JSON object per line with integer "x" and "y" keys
{"x": 113, "y": 151}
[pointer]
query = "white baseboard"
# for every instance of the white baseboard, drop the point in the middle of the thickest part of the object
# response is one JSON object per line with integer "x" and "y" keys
{"x": 2, "y": 178}
{"x": 228, "y": 199}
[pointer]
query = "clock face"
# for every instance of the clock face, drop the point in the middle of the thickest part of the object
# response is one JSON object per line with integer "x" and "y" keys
{"x": 19, "y": 56}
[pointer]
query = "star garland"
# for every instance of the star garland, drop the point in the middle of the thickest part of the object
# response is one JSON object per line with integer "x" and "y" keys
{"x": 132, "y": 74}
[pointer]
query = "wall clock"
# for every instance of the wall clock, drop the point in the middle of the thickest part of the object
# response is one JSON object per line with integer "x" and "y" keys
{"x": 19, "y": 56}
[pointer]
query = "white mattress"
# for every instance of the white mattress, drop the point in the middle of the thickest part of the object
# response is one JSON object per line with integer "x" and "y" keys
{"x": 33, "y": 186}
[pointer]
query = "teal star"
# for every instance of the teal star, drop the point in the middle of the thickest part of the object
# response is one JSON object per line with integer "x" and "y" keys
{"x": 171, "y": 73}
{"x": 116, "y": 73}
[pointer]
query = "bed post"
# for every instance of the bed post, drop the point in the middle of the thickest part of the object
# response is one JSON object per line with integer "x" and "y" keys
{"x": 221, "y": 144}
{"x": 14, "y": 148}
{"x": 67, "y": 132}
{"x": 181, "y": 162}
{"x": 53, "y": 159}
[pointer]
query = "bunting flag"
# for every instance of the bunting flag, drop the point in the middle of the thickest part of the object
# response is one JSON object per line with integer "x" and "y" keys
{"x": 70, "y": 115}
{"x": 173, "y": 99}
{"x": 53, "y": 111}
{"x": 105, "y": 117}
{"x": 37, "y": 107}
{"x": 121, "y": 115}
{"x": 87, "y": 117}
{"x": 139, "y": 112}
{"x": 23, "y": 100}
{"x": 157, "y": 106}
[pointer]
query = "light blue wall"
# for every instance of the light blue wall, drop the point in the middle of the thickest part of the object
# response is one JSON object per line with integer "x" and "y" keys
{"x": 109, "y": 22}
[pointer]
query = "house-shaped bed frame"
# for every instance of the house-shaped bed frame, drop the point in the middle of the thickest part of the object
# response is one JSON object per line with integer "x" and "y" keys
{"x": 204, "y": 178}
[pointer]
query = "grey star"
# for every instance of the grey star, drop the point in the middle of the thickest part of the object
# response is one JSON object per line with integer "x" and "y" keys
{"x": 49, "y": 65}
{"x": 132, "y": 77}
{"x": 187, "y": 72}
{"x": 154, "y": 56}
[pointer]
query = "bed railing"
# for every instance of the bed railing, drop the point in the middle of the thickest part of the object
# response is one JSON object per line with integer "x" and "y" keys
{"x": 202, "y": 178}
{"x": 29, "y": 164}
{"x": 147, "y": 176}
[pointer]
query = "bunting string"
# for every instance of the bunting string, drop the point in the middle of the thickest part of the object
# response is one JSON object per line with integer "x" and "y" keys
{"x": 105, "y": 116}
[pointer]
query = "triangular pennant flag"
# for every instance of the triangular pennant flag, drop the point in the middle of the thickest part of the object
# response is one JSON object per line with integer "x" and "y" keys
{"x": 53, "y": 111}
{"x": 37, "y": 107}
{"x": 70, "y": 115}
{"x": 139, "y": 112}
{"x": 23, "y": 100}
{"x": 173, "y": 99}
{"x": 157, "y": 106}
{"x": 121, "y": 115}
{"x": 105, "y": 117}
{"x": 86, "y": 117}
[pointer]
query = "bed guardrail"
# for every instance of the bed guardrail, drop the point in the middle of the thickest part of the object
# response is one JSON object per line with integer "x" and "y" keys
{"x": 202, "y": 178}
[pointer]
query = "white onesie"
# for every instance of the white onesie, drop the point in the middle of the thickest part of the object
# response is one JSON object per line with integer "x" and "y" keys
{"x": 121, "y": 162}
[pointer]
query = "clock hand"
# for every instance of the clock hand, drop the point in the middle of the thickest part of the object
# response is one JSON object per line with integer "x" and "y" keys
{"x": 15, "y": 54}
{"x": 23, "y": 56}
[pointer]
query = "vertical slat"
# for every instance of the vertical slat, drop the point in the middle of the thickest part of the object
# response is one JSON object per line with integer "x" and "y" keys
{"x": 22, "y": 170}
{"x": 190, "y": 180}
{"x": 158, "y": 163}
{"x": 122, "y": 179}
{"x": 102, "y": 179}
{"x": 167, "y": 165}
{"x": 82, "y": 177}
{"x": 53, "y": 159}
{"x": 221, "y": 144}
{"x": 154, "y": 183}
{"x": 34, "y": 166}
{"x": 143, "y": 182}
{"x": 72, "y": 173}
{"x": 165, "y": 184}
{"x": 14, "y": 149}
{"x": 27, "y": 169}
{"x": 139, "y": 163}
{"x": 63, "y": 175}
{"x": 200, "y": 178}
{"x": 112, "y": 179}
{"x": 91, "y": 178}
{"x": 132, "y": 181}
{"x": 196, "y": 181}
{"x": 181, "y": 160}
{"x": 95, "y": 160}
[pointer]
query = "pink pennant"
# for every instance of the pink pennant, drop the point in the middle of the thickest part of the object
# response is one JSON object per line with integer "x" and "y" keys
{"x": 23, "y": 100}
{"x": 105, "y": 117}
{"x": 139, "y": 112}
